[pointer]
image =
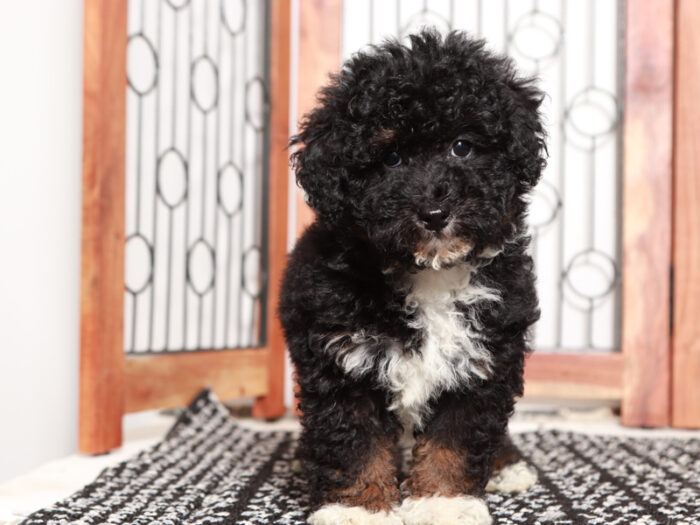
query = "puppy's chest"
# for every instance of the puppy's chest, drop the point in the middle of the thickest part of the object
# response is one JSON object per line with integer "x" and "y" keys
{"x": 443, "y": 307}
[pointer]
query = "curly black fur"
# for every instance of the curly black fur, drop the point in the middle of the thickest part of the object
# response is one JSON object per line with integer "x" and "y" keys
{"x": 350, "y": 273}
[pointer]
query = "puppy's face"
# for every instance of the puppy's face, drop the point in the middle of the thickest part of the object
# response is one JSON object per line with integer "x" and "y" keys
{"x": 426, "y": 151}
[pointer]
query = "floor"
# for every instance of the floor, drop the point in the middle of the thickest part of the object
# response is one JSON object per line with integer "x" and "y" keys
{"x": 59, "y": 478}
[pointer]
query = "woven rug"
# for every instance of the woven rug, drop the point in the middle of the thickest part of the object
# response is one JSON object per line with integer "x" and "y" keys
{"x": 211, "y": 470}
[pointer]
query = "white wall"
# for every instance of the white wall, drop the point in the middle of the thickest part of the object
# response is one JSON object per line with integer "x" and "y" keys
{"x": 40, "y": 182}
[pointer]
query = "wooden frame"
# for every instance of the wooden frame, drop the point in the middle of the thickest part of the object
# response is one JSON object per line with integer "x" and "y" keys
{"x": 112, "y": 383}
{"x": 574, "y": 376}
{"x": 102, "y": 264}
{"x": 647, "y": 180}
{"x": 320, "y": 32}
{"x": 272, "y": 404}
{"x": 319, "y": 43}
{"x": 686, "y": 247}
{"x": 639, "y": 376}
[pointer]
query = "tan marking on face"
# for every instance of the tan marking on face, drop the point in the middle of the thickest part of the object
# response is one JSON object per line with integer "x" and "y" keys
{"x": 384, "y": 137}
{"x": 376, "y": 486}
{"x": 437, "y": 470}
{"x": 437, "y": 253}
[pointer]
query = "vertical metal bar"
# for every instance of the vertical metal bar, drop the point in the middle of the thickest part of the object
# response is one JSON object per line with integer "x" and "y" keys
{"x": 398, "y": 18}
{"x": 241, "y": 222}
{"x": 137, "y": 206}
{"x": 560, "y": 175}
{"x": 506, "y": 27}
{"x": 591, "y": 159}
{"x": 139, "y": 133}
{"x": 139, "y": 127}
{"x": 166, "y": 343}
{"x": 203, "y": 216}
{"x": 265, "y": 248}
{"x": 591, "y": 194}
{"x": 176, "y": 39}
{"x": 205, "y": 23}
{"x": 200, "y": 300}
{"x": 232, "y": 94}
{"x": 589, "y": 325}
{"x": 142, "y": 13}
{"x": 479, "y": 18}
{"x": 156, "y": 145}
{"x": 256, "y": 204}
{"x": 217, "y": 186}
{"x": 187, "y": 200}
{"x": 590, "y": 74}
{"x": 134, "y": 303}
{"x": 227, "y": 295}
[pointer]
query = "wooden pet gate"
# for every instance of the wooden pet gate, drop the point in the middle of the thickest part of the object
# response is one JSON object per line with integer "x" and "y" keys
{"x": 154, "y": 373}
{"x": 176, "y": 296}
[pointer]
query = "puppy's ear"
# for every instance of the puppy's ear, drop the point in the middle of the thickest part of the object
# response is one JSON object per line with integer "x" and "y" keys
{"x": 318, "y": 163}
{"x": 528, "y": 133}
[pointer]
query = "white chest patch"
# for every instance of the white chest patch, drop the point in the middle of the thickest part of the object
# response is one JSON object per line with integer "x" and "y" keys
{"x": 452, "y": 353}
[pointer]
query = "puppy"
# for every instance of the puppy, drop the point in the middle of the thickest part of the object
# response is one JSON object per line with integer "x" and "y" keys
{"x": 406, "y": 304}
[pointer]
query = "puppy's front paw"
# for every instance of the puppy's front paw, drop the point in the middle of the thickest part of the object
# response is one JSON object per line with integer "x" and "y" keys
{"x": 438, "y": 510}
{"x": 516, "y": 477}
{"x": 337, "y": 514}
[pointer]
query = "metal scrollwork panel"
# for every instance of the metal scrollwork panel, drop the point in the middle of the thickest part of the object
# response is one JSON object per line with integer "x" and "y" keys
{"x": 575, "y": 48}
{"x": 197, "y": 135}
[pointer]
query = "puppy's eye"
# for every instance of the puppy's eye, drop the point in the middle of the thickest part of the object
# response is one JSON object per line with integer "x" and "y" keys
{"x": 460, "y": 148}
{"x": 392, "y": 159}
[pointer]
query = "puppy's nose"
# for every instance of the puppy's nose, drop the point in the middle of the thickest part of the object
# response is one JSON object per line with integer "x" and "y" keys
{"x": 434, "y": 219}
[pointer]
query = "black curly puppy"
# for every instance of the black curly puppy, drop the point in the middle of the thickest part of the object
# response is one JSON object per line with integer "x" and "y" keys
{"x": 406, "y": 305}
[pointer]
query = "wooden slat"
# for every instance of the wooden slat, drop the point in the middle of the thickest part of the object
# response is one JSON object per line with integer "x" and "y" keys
{"x": 172, "y": 380}
{"x": 648, "y": 139}
{"x": 574, "y": 376}
{"x": 272, "y": 404}
{"x": 320, "y": 33}
{"x": 686, "y": 236}
{"x": 102, "y": 278}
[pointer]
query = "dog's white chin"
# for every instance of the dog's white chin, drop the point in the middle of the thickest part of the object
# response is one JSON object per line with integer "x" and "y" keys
{"x": 438, "y": 510}
{"x": 517, "y": 477}
{"x": 337, "y": 514}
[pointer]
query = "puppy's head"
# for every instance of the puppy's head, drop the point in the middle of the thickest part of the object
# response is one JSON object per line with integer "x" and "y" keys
{"x": 426, "y": 150}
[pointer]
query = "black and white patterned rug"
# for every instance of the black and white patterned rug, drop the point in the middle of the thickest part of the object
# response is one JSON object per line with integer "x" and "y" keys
{"x": 211, "y": 470}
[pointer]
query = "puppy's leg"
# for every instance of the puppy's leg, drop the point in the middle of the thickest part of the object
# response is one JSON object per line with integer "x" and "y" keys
{"x": 348, "y": 449}
{"x": 452, "y": 461}
{"x": 440, "y": 491}
{"x": 510, "y": 473}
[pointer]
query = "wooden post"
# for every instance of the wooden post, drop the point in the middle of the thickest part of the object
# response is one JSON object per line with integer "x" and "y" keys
{"x": 320, "y": 33}
{"x": 686, "y": 237}
{"x": 272, "y": 404}
{"x": 647, "y": 172}
{"x": 102, "y": 278}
